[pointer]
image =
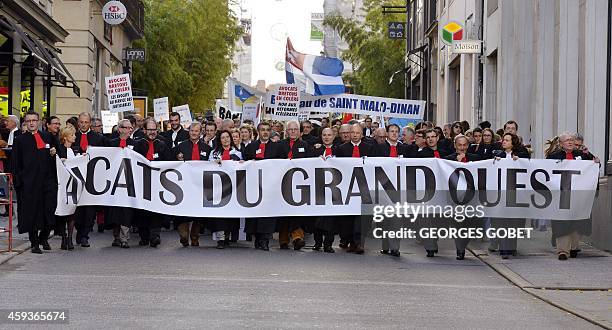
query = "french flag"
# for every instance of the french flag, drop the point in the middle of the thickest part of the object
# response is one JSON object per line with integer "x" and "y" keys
{"x": 315, "y": 75}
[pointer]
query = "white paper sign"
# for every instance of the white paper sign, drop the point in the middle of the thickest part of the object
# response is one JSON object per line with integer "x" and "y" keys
{"x": 119, "y": 93}
{"x": 183, "y": 110}
{"x": 284, "y": 101}
{"x": 160, "y": 109}
{"x": 109, "y": 119}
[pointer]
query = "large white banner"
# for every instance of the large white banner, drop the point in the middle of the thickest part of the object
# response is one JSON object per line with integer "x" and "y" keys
{"x": 364, "y": 105}
{"x": 545, "y": 189}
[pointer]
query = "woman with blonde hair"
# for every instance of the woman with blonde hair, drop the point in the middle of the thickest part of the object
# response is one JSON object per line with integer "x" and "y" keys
{"x": 66, "y": 149}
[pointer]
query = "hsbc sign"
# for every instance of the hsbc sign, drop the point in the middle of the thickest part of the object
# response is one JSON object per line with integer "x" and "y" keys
{"x": 114, "y": 12}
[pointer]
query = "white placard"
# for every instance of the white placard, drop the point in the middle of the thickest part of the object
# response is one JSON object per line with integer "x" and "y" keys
{"x": 284, "y": 101}
{"x": 160, "y": 109}
{"x": 109, "y": 119}
{"x": 119, "y": 93}
{"x": 185, "y": 113}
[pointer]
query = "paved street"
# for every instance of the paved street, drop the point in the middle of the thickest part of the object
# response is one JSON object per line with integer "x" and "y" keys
{"x": 175, "y": 287}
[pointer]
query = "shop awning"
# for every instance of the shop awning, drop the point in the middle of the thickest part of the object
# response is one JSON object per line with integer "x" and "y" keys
{"x": 49, "y": 62}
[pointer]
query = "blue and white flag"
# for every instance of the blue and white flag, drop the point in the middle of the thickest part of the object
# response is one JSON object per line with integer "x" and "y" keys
{"x": 315, "y": 75}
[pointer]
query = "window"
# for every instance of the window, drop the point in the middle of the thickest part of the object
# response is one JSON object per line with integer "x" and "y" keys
{"x": 108, "y": 32}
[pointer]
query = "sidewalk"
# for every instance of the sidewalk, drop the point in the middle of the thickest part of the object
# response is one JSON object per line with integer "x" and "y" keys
{"x": 582, "y": 286}
{"x": 20, "y": 241}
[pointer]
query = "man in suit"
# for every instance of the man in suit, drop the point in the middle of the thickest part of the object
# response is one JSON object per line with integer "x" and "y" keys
{"x": 350, "y": 226}
{"x": 368, "y": 130}
{"x": 210, "y": 134}
{"x": 432, "y": 150}
{"x": 84, "y": 215}
{"x": 391, "y": 147}
{"x": 262, "y": 148}
{"x": 193, "y": 149}
{"x": 306, "y": 129}
{"x": 177, "y": 133}
{"x": 154, "y": 149}
{"x": 293, "y": 148}
{"x": 35, "y": 182}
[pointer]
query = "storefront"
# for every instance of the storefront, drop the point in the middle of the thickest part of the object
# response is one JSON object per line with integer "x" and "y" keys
{"x": 30, "y": 69}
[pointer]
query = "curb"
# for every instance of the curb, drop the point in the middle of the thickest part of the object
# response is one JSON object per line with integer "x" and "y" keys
{"x": 529, "y": 288}
{"x": 17, "y": 251}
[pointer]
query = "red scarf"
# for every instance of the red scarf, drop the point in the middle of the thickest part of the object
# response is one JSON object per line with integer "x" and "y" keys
{"x": 225, "y": 155}
{"x": 569, "y": 155}
{"x": 40, "y": 144}
{"x": 122, "y": 143}
{"x": 436, "y": 154}
{"x": 355, "y": 152}
{"x": 262, "y": 151}
{"x": 328, "y": 151}
{"x": 393, "y": 152}
{"x": 290, "y": 155}
{"x": 84, "y": 143}
{"x": 195, "y": 152}
{"x": 464, "y": 159}
{"x": 151, "y": 150}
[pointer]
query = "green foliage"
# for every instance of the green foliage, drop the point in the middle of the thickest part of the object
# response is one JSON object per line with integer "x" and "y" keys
{"x": 189, "y": 46}
{"x": 374, "y": 56}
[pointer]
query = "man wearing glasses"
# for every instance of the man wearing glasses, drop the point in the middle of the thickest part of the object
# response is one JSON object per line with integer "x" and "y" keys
{"x": 120, "y": 218}
{"x": 35, "y": 182}
{"x": 262, "y": 148}
{"x": 154, "y": 149}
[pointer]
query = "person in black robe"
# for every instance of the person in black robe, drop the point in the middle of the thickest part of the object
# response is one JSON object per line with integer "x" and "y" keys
{"x": 462, "y": 155}
{"x": 192, "y": 149}
{"x": 433, "y": 149}
{"x": 307, "y": 136}
{"x": 84, "y": 215}
{"x": 154, "y": 149}
{"x": 325, "y": 226}
{"x": 66, "y": 149}
{"x": 177, "y": 133}
{"x": 35, "y": 183}
{"x": 262, "y": 148}
{"x": 350, "y": 227}
{"x": 393, "y": 148}
{"x": 567, "y": 233}
{"x": 293, "y": 227}
{"x": 221, "y": 227}
{"x": 116, "y": 217}
{"x": 511, "y": 147}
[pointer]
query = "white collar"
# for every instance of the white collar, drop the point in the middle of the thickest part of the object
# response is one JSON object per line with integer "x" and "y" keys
{"x": 391, "y": 144}
{"x": 353, "y": 143}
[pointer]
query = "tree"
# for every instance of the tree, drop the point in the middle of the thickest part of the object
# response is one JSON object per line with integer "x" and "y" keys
{"x": 190, "y": 44}
{"x": 373, "y": 55}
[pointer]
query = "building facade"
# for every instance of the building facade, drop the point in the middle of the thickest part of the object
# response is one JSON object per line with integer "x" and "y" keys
{"x": 94, "y": 50}
{"x": 31, "y": 72}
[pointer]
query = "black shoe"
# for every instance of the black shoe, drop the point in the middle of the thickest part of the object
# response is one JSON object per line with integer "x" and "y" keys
{"x": 343, "y": 245}
{"x": 394, "y": 253}
{"x": 100, "y": 228}
{"x": 505, "y": 256}
{"x": 284, "y": 246}
{"x": 563, "y": 256}
{"x": 298, "y": 244}
{"x": 155, "y": 242}
{"x": 460, "y": 254}
{"x": 116, "y": 243}
{"x": 64, "y": 245}
{"x": 143, "y": 242}
{"x": 84, "y": 242}
{"x": 316, "y": 247}
{"x": 124, "y": 245}
{"x": 328, "y": 249}
{"x": 220, "y": 245}
{"x": 69, "y": 243}
{"x": 264, "y": 245}
{"x": 257, "y": 244}
{"x": 383, "y": 251}
{"x": 45, "y": 245}
{"x": 573, "y": 253}
{"x": 184, "y": 242}
{"x": 36, "y": 249}
{"x": 430, "y": 253}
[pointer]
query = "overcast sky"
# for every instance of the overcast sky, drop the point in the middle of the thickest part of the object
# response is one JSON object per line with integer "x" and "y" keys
{"x": 273, "y": 22}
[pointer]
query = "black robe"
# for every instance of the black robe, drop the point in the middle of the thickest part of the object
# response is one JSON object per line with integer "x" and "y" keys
{"x": 260, "y": 225}
{"x": 116, "y": 215}
{"x": 427, "y": 152}
{"x": 186, "y": 148}
{"x": 384, "y": 150}
{"x": 181, "y": 135}
{"x": 35, "y": 182}
{"x": 566, "y": 227}
{"x": 346, "y": 150}
{"x": 93, "y": 139}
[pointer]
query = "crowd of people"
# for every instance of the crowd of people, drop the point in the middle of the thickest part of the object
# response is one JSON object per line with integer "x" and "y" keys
{"x": 31, "y": 149}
